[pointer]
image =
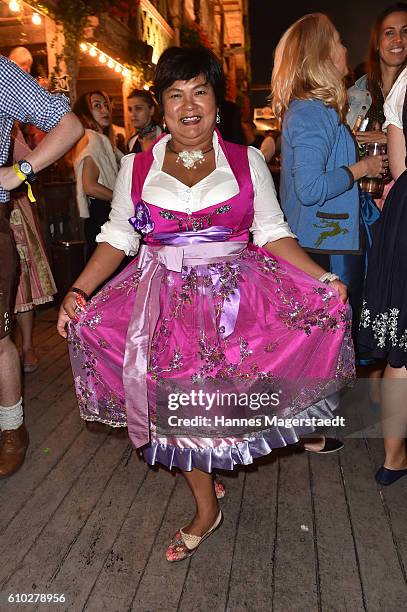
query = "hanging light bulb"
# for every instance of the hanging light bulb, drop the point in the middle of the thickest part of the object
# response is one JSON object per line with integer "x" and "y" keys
{"x": 84, "y": 47}
{"x": 146, "y": 87}
{"x": 92, "y": 52}
{"x": 102, "y": 58}
{"x": 14, "y": 6}
{"x": 36, "y": 19}
{"x": 118, "y": 68}
{"x": 110, "y": 63}
{"x": 125, "y": 72}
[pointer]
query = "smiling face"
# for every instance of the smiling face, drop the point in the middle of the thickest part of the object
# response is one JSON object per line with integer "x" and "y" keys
{"x": 393, "y": 40}
{"x": 140, "y": 112}
{"x": 338, "y": 55}
{"x": 190, "y": 112}
{"x": 100, "y": 110}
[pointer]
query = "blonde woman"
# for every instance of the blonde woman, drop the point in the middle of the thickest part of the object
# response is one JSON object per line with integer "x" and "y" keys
{"x": 319, "y": 172}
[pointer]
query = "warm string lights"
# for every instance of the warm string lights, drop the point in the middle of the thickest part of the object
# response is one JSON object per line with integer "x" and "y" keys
{"x": 36, "y": 19}
{"x": 103, "y": 58}
{"x": 16, "y": 6}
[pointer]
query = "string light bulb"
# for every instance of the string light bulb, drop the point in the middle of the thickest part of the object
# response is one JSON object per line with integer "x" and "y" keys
{"x": 146, "y": 87}
{"x": 14, "y": 6}
{"x": 36, "y": 19}
{"x": 103, "y": 58}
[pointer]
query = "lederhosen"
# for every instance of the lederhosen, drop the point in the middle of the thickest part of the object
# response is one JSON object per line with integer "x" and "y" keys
{"x": 8, "y": 272}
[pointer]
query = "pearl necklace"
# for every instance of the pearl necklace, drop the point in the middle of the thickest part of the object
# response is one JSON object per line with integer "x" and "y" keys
{"x": 190, "y": 159}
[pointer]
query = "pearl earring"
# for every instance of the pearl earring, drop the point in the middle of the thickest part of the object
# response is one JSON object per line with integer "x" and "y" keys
{"x": 164, "y": 126}
{"x": 217, "y": 117}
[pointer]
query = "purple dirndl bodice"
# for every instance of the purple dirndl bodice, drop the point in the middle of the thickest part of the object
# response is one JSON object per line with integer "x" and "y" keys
{"x": 202, "y": 309}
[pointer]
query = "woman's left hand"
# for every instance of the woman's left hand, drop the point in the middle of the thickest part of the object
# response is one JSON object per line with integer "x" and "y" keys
{"x": 341, "y": 288}
{"x": 373, "y": 136}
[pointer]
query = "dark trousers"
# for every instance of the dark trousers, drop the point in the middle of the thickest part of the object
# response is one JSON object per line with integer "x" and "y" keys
{"x": 99, "y": 213}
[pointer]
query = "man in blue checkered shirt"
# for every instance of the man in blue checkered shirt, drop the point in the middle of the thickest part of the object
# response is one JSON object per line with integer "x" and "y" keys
{"x": 22, "y": 99}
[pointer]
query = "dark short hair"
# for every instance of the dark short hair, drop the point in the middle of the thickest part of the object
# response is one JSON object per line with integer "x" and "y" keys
{"x": 185, "y": 63}
{"x": 147, "y": 96}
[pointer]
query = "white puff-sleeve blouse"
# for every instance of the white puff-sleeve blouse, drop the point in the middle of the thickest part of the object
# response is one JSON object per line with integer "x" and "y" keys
{"x": 393, "y": 106}
{"x": 167, "y": 192}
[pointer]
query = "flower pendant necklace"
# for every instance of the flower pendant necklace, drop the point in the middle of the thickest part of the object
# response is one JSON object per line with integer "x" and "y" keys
{"x": 190, "y": 159}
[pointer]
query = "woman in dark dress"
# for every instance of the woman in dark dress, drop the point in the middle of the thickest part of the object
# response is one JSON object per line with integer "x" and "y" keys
{"x": 384, "y": 316}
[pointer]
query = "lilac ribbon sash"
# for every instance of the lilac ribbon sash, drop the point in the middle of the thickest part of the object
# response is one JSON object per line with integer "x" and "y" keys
{"x": 215, "y": 233}
{"x": 230, "y": 308}
{"x": 154, "y": 261}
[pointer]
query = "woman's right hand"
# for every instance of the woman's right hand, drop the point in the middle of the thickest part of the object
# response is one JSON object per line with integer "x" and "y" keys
{"x": 341, "y": 288}
{"x": 375, "y": 166}
{"x": 67, "y": 312}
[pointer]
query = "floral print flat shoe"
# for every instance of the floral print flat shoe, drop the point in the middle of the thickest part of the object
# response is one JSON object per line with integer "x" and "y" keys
{"x": 184, "y": 545}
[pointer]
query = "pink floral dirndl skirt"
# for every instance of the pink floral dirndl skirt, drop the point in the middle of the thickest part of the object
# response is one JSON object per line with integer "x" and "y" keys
{"x": 210, "y": 318}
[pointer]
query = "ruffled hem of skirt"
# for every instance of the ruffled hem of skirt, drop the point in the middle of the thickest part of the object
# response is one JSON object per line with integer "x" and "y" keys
{"x": 115, "y": 424}
{"x": 31, "y": 305}
{"x": 243, "y": 452}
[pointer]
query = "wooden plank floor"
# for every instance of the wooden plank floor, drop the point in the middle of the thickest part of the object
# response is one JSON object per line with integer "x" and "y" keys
{"x": 86, "y": 517}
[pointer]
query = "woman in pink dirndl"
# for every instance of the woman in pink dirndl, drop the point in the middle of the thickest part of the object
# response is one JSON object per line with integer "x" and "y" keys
{"x": 201, "y": 309}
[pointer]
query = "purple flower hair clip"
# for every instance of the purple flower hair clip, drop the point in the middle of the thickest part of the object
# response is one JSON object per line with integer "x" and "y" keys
{"x": 142, "y": 221}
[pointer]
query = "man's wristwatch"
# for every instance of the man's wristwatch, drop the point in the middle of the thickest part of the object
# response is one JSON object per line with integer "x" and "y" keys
{"x": 26, "y": 168}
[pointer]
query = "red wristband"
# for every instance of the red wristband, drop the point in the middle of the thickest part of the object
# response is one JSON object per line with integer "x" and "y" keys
{"x": 80, "y": 292}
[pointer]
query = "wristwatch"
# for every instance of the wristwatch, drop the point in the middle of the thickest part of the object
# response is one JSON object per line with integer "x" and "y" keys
{"x": 26, "y": 168}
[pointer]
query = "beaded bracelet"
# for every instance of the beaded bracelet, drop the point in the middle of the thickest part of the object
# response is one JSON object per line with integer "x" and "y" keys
{"x": 328, "y": 277}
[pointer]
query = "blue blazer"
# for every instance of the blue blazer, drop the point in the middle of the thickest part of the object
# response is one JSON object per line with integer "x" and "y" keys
{"x": 318, "y": 196}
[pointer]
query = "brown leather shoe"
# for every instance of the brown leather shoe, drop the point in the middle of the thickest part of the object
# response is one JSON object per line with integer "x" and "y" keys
{"x": 13, "y": 446}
